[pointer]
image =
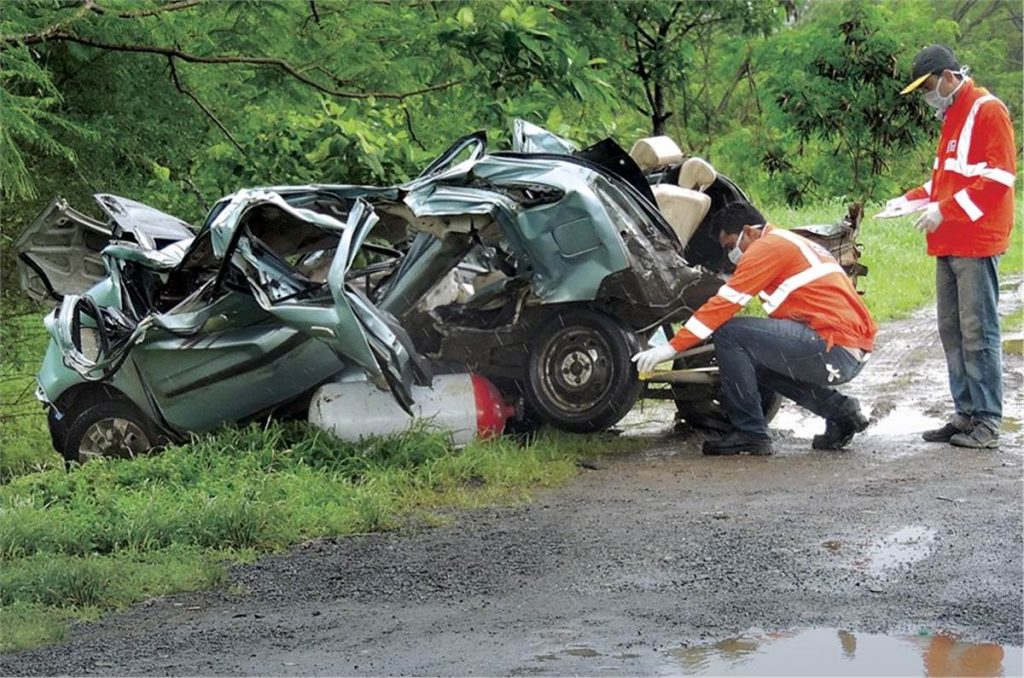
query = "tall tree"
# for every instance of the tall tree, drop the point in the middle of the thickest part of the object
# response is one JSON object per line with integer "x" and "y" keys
{"x": 659, "y": 55}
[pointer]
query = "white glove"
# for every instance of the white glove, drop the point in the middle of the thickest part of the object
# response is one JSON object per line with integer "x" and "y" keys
{"x": 646, "y": 360}
{"x": 930, "y": 220}
{"x": 895, "y": 204}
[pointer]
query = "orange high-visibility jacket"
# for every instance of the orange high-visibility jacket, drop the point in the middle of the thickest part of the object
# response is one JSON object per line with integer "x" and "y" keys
{"x": 972, "y": 178}
{"x": 795, "y": 279}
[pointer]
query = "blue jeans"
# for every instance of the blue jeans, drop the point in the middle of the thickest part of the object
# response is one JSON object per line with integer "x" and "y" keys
{"x": 968, "y": 299}
{"x": 784, "y": 356}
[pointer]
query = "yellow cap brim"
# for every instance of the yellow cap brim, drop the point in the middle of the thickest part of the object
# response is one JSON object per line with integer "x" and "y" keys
{"x": 914, "y": 85}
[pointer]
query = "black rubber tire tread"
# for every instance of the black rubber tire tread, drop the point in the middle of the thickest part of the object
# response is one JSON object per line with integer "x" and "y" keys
{"x": 625, "y": 386}
{"x": 82, "y": 419}
{"x": 709, "y": 414}
{"x": 701, "y": 405}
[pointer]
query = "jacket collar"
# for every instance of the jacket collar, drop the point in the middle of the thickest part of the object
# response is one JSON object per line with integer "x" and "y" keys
{"x": 963, "y": 101}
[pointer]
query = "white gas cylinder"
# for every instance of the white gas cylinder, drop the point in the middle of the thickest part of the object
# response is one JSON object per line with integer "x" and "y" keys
{"x": 468, "y": 405}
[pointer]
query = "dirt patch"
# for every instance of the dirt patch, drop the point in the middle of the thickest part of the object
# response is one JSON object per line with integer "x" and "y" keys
{"x": 637, "y": 557}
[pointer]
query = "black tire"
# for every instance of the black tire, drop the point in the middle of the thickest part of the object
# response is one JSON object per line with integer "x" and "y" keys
{"x": 112, "y": 428}
{"x": 709, "y": 412}
{"x": 580, "y": 377}
{"x": 700, "y": 405}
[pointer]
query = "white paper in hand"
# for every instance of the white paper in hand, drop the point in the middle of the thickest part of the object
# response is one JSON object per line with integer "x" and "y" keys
{"x": 901, "y": 208}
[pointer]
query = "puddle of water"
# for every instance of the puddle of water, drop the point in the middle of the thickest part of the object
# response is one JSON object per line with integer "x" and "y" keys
{"x": 839, "y": 652}
{"x": 799, "y": 423}
{"x": 1011, "y": 425}
{"x": 582, "y": 652}
{"x": 904, "y": 420}
{"x": 898, "y": 550}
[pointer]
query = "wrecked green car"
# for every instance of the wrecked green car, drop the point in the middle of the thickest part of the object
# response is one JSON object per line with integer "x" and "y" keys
{"x": 543, "y": 268}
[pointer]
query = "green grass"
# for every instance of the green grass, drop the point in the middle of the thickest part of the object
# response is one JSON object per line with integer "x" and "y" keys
{"x": 114, "y": 532}
{"x": 24, "y": 440}
{"x": 1014, "y": 322}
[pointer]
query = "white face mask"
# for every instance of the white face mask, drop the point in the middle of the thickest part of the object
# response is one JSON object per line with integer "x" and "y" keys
{"x": 735, "y": 253}
{"x": 942, "y": 103}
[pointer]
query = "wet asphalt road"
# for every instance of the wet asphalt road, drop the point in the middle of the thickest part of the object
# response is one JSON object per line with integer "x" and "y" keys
{"x": 620, "y": 570}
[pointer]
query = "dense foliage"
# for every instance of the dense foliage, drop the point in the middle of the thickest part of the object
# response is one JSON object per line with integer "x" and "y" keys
{"x": 178, "y": 102}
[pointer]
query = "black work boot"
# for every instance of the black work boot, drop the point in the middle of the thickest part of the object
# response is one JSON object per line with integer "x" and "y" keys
{"x": 737, "y": 442}
{"x": 943, "y": 434}
{"x": 840, "y": 430}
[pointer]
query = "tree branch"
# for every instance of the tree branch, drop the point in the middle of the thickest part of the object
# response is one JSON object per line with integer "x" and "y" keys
{"x": 412, "y": 132}
{"x": 45, "y": 34}
{"x": 1017, "y": 19}
{"x": 740, "y": 72}
{"x": 202, "y": 107}
{"x": 641, "y": 70}
{"x": 992, "y": 8}
{"x": 139, "y": 13}
{"x": 962, "y": 9}
{"x": 667, "y": 26}
{"x": 340, "y": 82}
{"x": 54, "y": 34}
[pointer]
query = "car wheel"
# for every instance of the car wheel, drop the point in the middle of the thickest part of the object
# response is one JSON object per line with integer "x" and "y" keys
{"x": 701, "y": 406}
{"x": 108, "y": 429}
{"x": 580, "y": 377}
{"x": 709, "y": 411}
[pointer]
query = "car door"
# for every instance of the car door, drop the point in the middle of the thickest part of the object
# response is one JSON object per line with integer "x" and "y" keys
{"x": 336, "y": 313}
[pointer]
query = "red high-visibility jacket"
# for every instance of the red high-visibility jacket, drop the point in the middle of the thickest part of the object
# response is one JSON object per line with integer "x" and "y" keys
{"x": 795, "y": 279}
{"x": 972, "y": 178}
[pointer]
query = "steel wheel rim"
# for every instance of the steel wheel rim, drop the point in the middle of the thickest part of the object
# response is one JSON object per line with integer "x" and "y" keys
{"x": 113, "y": 437}
{"x": 576, "y": 369}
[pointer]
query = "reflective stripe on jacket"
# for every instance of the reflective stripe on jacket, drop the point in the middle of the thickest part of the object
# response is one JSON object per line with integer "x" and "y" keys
{"x": 796, "y": 280}
{"x": 972, "y": 177}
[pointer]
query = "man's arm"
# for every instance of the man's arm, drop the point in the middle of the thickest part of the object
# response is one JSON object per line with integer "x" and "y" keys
{"x": 759, "y": 265}
{"x": 919, "y": 193}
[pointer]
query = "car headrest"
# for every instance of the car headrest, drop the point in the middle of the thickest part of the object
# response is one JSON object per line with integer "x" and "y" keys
{"x": 654, "y": 152}
{"x": 697, "y": 174}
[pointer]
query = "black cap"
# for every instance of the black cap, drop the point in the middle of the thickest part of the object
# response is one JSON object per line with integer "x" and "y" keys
{"x": 931, "y": 60}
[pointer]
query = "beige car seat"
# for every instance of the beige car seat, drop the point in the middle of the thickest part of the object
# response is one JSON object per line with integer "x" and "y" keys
{"x": 697, "y": 174}
{"x": 683, "y": 206}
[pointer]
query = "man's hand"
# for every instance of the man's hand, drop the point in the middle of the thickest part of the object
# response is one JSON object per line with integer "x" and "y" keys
{"x": 646, "y": 360}
{"x": 930, "y": 220}
{"x": 901, "y": 207}
{"x": 895, "y": 204}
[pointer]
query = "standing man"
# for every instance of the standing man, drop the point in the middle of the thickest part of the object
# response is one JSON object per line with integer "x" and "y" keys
{"x": 818, "y": 333}
{"x": 968, "y": 219}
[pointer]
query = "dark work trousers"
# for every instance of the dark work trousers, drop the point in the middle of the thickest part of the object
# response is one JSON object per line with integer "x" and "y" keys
{"x": 785, "y": 356}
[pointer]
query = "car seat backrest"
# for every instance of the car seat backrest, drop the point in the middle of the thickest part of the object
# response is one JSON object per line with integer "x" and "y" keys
{"x": 683, "y": 208}
{"x": 655, "y": 152}
{"x": 697, "y": 174}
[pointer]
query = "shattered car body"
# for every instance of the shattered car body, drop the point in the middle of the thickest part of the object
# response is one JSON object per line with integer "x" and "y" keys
{"x": 542, "y": 268}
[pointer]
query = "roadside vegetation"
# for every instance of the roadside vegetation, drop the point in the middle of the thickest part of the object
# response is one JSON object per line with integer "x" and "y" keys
{"x": 113, "y": 532}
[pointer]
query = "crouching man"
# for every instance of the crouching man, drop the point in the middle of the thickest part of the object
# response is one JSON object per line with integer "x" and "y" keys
{"x": 818, "y": 333}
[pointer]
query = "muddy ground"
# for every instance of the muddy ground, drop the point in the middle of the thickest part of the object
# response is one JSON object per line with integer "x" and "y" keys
{"x": 638, "y": 559}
